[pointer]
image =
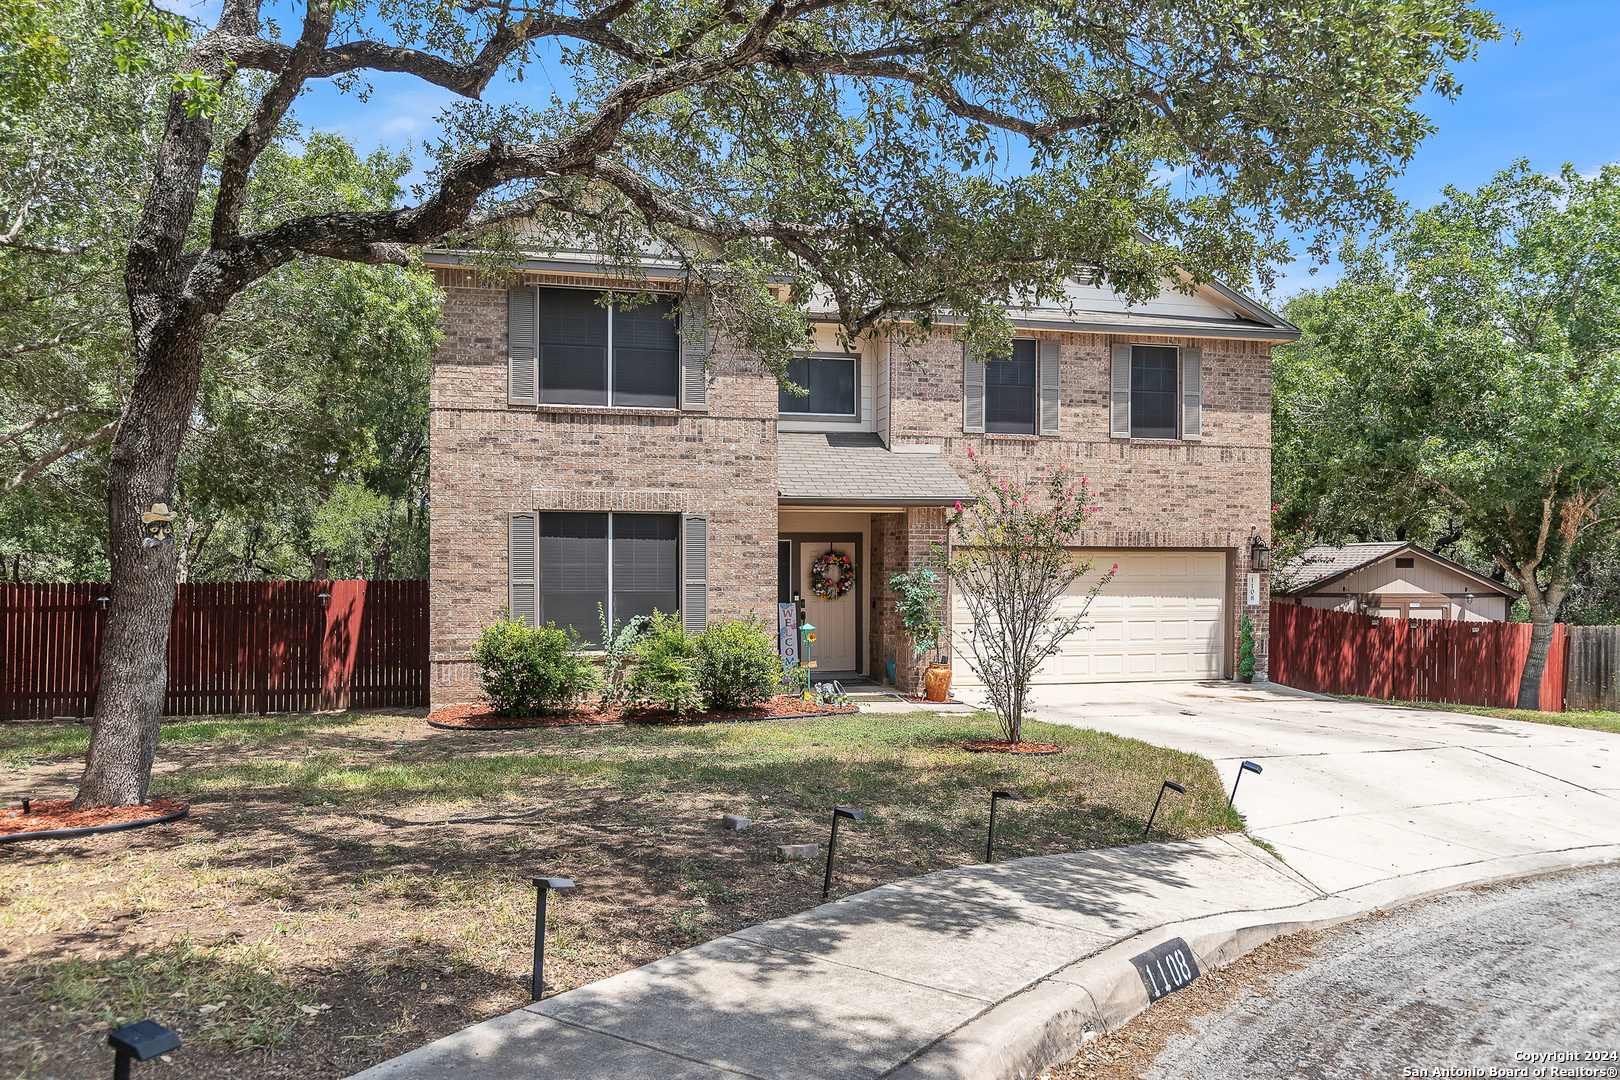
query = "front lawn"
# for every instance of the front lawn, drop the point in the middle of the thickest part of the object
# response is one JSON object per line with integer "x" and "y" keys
{"x": 352, "y": 886}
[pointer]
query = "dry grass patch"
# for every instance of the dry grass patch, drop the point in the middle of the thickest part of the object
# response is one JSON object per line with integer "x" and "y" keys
{"x": 351, "y": 887}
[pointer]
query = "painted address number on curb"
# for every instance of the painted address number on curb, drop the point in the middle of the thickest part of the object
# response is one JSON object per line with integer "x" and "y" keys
{"x": 1166, "y": 968}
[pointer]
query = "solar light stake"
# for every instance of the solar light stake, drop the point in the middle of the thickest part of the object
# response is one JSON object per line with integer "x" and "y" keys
{"x": 1173, "y": 786}
{"x": 1247, "y": 766}
{"x": 140, "y": 1041}
{"x": 26, "y": 810}
{"x": 544, "y": 885}
{"x": 990, "y": 841}
{"x": 832, "y": 842}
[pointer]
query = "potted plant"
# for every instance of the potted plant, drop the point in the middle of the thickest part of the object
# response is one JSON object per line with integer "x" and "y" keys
{"x": 919, "y": 605}
{"x": 1245, "y": 666}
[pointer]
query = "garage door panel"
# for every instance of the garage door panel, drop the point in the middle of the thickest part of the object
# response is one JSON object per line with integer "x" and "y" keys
{"x": 1161, "y": 617}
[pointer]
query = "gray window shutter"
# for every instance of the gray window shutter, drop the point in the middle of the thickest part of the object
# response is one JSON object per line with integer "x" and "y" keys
{"x": 1192, "y": 393}
{"x": 695, "y": 341}
{"x": 972, "y": 392}
{"x": 1119, "y": 396}
{"x": 695, "y": 573}
{"x": 521, "y": 576}
{"x": 522, "y": 371}
{"x": 1051, "y": 385}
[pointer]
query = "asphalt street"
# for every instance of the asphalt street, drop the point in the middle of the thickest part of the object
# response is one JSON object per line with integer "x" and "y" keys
{"x": 1523, "y": 975}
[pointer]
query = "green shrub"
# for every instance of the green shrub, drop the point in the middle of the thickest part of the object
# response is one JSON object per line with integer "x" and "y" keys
{"x": 617, "y": 643}
{"x": 531, "y": 670}
{"x": 738, "y": 665}
{"x": 666, "y": 668}
{"x": 1246, "y": 649}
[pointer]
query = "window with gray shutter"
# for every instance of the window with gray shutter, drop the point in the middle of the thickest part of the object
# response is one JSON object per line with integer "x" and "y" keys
{"x": 1192, "y": 394}
{"x": 1119, "y": 396}
{"x": 694, "y": 354}
{"x": 972, "y": 392}
{"x": 695, "y": 574}
{"x": 1051, "y": 386}
{"x": 520, "y": 567}
{"x": 522, "y": 365}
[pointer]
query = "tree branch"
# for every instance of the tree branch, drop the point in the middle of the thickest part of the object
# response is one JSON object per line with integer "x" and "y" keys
{"x": 52, "y": 417}
{"x": 61, "y": 451}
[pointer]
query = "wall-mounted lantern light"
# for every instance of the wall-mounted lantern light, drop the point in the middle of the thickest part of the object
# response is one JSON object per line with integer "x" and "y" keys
{"x": 1259, "y": 553}
{"x": 1469, "y": 597}
{"x": 325, "y": 598}
{"x": 103, "y": 601}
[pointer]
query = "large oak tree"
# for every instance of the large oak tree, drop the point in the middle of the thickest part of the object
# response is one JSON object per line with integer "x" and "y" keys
{"x": 906, "y": 159}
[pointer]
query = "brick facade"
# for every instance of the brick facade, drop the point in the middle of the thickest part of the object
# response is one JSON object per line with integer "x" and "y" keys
{"x": 490, "y": 458}
{"x": 1151, "y": 493}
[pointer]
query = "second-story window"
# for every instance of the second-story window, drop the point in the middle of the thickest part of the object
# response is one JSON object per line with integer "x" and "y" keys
{"x": 1009, "y": 391}
{"x": 588, "y": 354}
{"x": 831, "y": 383}
{"x": 1153, "y": 391}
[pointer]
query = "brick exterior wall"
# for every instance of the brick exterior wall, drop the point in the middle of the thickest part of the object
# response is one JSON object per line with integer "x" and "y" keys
{"x": 1151, "y": 493}
{"x": 489, "y": 459}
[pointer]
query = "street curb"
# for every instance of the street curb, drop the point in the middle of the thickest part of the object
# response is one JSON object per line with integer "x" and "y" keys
{"x": 1049, "y": 1022}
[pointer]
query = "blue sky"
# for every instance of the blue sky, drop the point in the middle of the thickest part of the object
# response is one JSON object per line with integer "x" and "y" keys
{"x": 1551, "y": 98}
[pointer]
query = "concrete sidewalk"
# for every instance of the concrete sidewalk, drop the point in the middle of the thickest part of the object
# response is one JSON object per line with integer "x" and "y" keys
{"x": 998, "y": 971}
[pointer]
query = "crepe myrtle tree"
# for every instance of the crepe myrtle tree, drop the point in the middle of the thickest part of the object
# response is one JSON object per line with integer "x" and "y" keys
{"x": 850, "y": 147}
{"x": 1010, "y": 558}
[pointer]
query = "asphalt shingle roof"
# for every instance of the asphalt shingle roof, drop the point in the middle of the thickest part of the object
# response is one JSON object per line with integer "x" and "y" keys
{"x": 857, "y": 468}
{"x": 1324, "y": 561}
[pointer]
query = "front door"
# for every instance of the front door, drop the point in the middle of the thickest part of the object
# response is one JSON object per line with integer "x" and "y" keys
{"x": 836, "y": 648}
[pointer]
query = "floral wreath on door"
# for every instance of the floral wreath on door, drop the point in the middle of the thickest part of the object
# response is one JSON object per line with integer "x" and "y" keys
{"x": 826, "y": 586}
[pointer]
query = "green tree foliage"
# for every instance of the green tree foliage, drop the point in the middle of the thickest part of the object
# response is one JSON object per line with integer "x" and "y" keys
{"x": 315, "y": 382}
{"x": 1466, "y": 377}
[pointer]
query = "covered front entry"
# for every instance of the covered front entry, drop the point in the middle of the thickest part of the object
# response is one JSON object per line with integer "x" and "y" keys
{"x": 1162, "y": 617}
{"x": 837, "y": 649}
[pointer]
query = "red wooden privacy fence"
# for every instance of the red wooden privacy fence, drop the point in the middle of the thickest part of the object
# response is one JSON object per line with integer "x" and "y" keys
{"x": 1465, "y": 663}
{"x": 243, "y": 646}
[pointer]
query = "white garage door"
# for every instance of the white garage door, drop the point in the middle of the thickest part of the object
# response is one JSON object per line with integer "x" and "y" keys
{"x": 1162, "y": 617}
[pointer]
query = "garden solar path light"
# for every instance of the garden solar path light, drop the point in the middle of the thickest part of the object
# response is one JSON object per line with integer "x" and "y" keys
{"x": 1173, "y": 786}
{"x": 832, "y": 842}
{"x": 140, "y": 1041}
{"x": 1247, "y": 766}
{"x": 990, "y": 841}
{"x": 544, "y": 886}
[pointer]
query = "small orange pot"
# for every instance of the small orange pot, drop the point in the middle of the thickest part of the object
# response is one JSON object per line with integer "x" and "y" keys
{"x": 937, "y": 683}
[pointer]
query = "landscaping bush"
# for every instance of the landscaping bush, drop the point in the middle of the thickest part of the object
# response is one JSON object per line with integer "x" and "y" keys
{"x": 531, "y": 670}
{"x": 666, "y": 668}
{"x": 738, "y": 665}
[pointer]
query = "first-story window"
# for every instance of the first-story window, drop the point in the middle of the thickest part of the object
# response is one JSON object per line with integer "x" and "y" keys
{"x": 627, "y": 563}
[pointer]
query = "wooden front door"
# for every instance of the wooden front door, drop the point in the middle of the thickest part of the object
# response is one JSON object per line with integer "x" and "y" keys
{"x": 836, "y": 647}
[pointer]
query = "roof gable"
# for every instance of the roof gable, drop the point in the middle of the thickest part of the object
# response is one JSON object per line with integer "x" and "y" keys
{"x": 1323, "y": 564}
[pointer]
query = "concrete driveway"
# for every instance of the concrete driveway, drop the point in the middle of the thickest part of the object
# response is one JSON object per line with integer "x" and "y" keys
{"x": 1355, "y": 794}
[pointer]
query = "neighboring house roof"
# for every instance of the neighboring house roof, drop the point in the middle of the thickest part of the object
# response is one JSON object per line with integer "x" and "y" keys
{"x": 856, "y": 469}
{"x": 1319, "y": 566}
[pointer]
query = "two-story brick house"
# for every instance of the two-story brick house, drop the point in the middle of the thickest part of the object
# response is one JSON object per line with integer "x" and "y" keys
{"x": 582, "y": 456}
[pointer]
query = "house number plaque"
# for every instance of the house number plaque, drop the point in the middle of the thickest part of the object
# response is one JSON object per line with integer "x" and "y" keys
{"x": 1166, "y": 968}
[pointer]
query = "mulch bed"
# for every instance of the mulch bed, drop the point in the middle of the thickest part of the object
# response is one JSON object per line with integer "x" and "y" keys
{"x": 477, "y": 716}
{"x": 925, "y": 701}
{"x": 51, "y": 815}
{"x": 1002, "y": 746}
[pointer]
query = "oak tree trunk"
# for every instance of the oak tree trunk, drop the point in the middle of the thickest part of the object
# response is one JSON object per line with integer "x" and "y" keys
{"x": 134, "y": 651}
{"x": 1535, "y": 663}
